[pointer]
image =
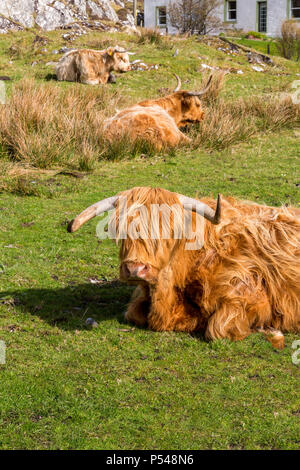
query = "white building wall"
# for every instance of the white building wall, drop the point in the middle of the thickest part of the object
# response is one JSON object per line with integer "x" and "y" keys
{"x": 277, "y": 13}
{"x": 246, "y": 15}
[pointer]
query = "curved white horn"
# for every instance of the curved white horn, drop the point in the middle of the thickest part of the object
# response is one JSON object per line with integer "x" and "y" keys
{"x": 121, "y": 51}
{"x": 92, "y": 211}
{"x": 203, "y": 209}
{"x": 202, "y": 92}
{"x": 178, "y": 83}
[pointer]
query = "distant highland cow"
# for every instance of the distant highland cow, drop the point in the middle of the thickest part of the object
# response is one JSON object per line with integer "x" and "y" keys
{"x": 92, "y": 67}
{"x": 158, "y": 121}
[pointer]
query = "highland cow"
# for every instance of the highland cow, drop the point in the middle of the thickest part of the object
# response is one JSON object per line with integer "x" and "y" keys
{"x": 92, "y": 67}
{"x": 158, "y": 121}
{"x": 243, "y": 278}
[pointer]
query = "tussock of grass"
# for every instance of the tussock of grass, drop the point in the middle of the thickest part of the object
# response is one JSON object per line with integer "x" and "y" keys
{"x": 154, "y": 36}
{"x": 45, "y": 125}
{"x": 271, "y": 112}
{"x": 228, "y": 123}
{"x": 223, "y": 127}
{"x": 216, "y": 86}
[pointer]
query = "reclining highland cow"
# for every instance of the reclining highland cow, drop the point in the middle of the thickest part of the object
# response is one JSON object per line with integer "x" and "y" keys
{"x": 158, "y": 121}
{"x": 243, "y": 277}
{"x": 92, "y": 67}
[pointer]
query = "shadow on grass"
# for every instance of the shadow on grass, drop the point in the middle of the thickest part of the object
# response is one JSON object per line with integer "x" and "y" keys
{"x": 69, "y": 307}
{"x": 51, "y": 76}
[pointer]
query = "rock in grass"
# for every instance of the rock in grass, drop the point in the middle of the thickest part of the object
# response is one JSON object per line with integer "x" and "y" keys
{"x": 91, "y": 322}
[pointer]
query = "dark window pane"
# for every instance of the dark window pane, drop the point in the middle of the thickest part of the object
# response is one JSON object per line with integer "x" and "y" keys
{"x": 231, "y": 10}
{"x": 296, "y": 13}
{"x": 262, "y": 17}
{"x": 162, "y": 15}
{"x": 295, "y": 3}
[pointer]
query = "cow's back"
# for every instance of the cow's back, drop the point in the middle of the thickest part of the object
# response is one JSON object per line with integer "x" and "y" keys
{"x": 82, "y": 65}
{"x": 151, "y": 123}
{"x": 66, "y": 69}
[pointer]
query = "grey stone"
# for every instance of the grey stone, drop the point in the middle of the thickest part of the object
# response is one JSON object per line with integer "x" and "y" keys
{"x": 80, "y": 5}
{"x": 20, "y": 11}
{"x": 101, "y": 11}
{"x": 119, "y": 3}
{"x": 91, "y": 322}
{"x": 53, "y": 14}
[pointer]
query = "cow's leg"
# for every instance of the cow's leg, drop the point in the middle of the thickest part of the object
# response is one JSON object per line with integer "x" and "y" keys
{"x": 275, "y": 337}
{"x": 111, "y": 78}
{"x": 229, "y": 321}
{"x": 184, "y": 139}
{"x": 170, "y": 311}
{"x": 236, "y": 320}
{"x": 139, "y": 306}
{"x": 90, "y": 82}
{"x": 236, "y": 307}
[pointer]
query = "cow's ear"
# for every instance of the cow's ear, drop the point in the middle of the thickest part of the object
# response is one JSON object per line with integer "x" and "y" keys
{"x": 110, "y": 51}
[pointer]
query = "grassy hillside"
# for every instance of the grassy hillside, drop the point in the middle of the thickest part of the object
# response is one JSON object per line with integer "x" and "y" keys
{"x": 65, "y": 386}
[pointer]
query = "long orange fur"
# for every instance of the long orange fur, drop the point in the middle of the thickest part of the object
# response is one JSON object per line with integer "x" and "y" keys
{"x": 245, "y": 278}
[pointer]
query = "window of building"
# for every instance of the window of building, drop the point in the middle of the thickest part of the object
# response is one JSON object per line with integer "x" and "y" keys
{"x": 231, "y": 11}
{"x": 161, "y": 16}
{"x": 295, "y": 9}
{"x": 262, "y": 17}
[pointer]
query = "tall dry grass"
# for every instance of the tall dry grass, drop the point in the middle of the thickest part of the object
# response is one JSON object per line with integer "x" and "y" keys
{"x": 289, "y": 42}
{"x": 45, "y": 125}
{"x": 229, "y": 122}
{"x": 154, "y": 36}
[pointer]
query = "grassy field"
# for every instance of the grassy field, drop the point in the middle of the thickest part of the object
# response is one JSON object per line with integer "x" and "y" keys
{"x": 259, "y": 45}
{"x": 65, "y": 386}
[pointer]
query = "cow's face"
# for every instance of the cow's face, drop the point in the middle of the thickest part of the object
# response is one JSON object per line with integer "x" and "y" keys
{"x": 191, "y": 109}
{"x": 149, "y": 238}
{"x": 141, "y": 261}
{"x": 121, "y": 62}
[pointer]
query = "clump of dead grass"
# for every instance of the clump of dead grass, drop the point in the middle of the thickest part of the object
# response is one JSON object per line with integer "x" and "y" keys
{"x": 154, "y": 36}
{"x": 46, "y": 125}
{"x": 228, "y": 123}
{"x": 216, "y": 86}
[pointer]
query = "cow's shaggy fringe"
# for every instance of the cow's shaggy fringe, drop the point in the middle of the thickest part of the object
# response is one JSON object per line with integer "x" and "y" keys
{"x": 246, "y": 277}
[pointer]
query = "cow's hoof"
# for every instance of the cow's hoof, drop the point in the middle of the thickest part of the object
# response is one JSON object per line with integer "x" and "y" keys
{"x": 112, "y": 78}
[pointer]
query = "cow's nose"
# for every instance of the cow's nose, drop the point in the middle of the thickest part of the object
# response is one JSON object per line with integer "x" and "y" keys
{"x": 134, "y": 270}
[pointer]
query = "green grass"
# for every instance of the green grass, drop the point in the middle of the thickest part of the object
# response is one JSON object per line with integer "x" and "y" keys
{"x": 65, "y": 386}
{"x": 260, "y": 45}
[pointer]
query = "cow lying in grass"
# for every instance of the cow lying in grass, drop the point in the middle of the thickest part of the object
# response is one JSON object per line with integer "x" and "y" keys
{"x": 158, "y": 121}
{"x": 92, "y": 67}
{"x": 243, "y": 277}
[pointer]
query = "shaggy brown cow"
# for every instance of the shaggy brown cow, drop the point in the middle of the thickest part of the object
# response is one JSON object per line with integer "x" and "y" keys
{"x": 92, "y": 67}
{"x": 158, "y": 121}
{"x": 245, "y": 277}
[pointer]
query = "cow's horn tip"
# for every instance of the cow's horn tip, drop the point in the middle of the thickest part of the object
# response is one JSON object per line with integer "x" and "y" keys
{"x": 218, "y": 212}
{"x": 72, "y": 226}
